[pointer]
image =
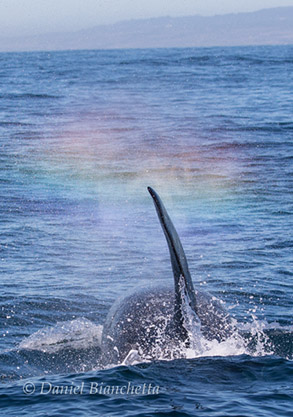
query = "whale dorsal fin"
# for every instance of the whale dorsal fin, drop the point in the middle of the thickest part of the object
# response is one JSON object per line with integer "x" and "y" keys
{"x": 178, "y": 259}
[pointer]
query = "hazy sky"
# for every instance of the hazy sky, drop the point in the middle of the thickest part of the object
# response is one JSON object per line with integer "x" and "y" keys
{"x": 40, "y": 16}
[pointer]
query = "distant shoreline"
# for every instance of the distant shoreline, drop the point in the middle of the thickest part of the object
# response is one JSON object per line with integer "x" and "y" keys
{"x": 264, "y": 27}
{"x": 143, "y": 49}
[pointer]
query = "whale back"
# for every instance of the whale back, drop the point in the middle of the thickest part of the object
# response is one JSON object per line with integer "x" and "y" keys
{"x": 142, "y": 322}
{"x": 137, "y": 322}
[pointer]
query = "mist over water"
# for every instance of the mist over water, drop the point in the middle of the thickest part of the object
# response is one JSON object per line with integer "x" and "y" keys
{"x": 82, "y": 134}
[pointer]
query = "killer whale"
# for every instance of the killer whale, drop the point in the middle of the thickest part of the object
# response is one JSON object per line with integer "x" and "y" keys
{"x": 158, "y": 322}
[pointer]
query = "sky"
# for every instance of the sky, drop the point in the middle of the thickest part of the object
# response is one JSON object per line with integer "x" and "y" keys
{"x": 31, "y": 17}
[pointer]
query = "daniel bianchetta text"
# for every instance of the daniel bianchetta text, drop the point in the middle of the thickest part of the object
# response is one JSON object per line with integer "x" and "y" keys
{"x": 92, "y": 388}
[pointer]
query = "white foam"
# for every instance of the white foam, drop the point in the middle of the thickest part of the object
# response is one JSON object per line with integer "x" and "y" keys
{"x": 75, "y": 334}
{"x": 235, "y": 345}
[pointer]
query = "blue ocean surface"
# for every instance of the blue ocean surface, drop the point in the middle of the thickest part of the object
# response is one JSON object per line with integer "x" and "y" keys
{"x": 82, "y": 135}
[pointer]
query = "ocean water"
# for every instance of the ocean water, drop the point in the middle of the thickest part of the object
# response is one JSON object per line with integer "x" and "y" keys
{"x": 82, "y": 134}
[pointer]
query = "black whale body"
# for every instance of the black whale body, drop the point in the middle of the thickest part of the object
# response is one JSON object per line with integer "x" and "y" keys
{"x": 156, "y": 322}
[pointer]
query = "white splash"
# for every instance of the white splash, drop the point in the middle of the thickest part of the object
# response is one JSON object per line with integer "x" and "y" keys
{"x": 256, "y": 343}
{"x": 75, "y": 334}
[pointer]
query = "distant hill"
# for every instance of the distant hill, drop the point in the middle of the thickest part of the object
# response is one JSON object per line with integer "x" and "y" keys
{"x": 265, "y": 27}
